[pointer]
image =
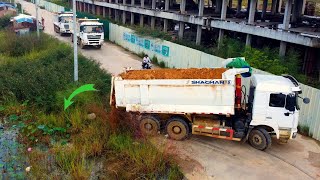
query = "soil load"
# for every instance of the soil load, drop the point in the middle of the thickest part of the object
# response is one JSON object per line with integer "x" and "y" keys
{"x": 192, "y": 73}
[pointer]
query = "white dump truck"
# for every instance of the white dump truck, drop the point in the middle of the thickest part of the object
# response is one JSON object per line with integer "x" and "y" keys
{"x": 218, "y": 108}
{"x": 62, "y": 22}
{"x": 89, "y": 32}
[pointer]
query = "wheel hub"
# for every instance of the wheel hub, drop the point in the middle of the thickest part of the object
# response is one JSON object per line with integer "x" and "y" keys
{"x": 257, "y": 139}
{"x": 176, "y": 129}
{"x": 148, "y": 126}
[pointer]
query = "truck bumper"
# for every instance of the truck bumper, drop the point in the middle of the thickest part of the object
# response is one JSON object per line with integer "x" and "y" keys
{"x": 94, "y": 43}
{"x": 65, "y": 31}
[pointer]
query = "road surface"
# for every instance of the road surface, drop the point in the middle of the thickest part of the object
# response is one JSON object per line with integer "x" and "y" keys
{"x": 208, "y": 158}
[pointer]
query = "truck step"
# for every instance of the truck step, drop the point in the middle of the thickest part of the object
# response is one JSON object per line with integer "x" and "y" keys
{"x": 216, "y": 132}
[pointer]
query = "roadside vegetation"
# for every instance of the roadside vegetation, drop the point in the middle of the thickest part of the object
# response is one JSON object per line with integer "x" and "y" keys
{"x": 85, "y": 140}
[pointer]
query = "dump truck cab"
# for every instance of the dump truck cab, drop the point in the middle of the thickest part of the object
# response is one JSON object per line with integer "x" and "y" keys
{"x": 90, "y": 32}
{"x": 62, "y": 22}
{"x": 274, "y": 101}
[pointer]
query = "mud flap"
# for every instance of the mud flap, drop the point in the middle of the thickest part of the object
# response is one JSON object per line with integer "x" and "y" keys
{"x": 245, "y": 138}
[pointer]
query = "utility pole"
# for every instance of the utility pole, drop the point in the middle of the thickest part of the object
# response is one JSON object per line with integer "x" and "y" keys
{"x": 37, "y": 18}
{"x": 75, "y": 44}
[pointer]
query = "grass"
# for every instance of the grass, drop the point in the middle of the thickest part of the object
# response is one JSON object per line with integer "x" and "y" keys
{"x": 35, "y": 76}
{"x": 304, "y": 130}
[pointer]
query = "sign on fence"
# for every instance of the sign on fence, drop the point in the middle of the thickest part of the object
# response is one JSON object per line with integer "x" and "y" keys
{"x": 147, "y": 44}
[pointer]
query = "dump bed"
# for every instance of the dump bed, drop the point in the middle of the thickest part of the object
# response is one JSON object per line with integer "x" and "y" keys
{"x": 155, "y": 91}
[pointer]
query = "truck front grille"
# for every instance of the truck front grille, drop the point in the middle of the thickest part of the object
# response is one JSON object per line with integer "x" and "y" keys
{"x": 94, "y": 37}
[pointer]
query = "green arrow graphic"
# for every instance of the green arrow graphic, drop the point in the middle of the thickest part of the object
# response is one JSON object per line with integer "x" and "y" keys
{"x": 86, "y": 87}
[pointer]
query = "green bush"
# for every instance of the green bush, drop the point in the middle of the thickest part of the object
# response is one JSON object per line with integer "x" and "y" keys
{"x": 4, "y": 21}
{"x": 40, "y": 80}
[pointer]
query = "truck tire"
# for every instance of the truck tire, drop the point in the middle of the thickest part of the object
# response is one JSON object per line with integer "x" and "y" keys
{"x": 177, "y": 129}
{"x": 260, "y": 139}
{"x": 98, "y": 46}
{"x": 71, "y": 37}
{"x": 149, "y": 125}
{"x": 81, "y": 44}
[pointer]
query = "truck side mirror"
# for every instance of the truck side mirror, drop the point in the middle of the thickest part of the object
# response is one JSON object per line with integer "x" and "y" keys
{"x": 306, "y": 100}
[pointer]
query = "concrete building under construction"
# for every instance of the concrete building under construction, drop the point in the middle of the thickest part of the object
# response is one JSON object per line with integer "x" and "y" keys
{"x": 280, "y": 23}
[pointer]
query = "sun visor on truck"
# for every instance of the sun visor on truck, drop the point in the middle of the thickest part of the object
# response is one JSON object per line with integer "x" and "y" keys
{"x": 239, "y": 62}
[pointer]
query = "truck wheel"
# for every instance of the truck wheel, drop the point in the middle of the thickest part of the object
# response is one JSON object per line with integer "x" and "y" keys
{"x": 81, "y": 44}
{"x": 177, "y": 129}
{"x": 98, "y": 46}
{"x": 260, "y": 139}
{"x": 149, "y": 125}
{"x": 71, "y": 37}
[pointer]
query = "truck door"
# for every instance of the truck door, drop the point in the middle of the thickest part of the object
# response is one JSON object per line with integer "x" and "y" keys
{"x": 277, "y": 111}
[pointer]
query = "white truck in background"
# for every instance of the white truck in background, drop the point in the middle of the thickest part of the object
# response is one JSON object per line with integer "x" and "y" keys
{"x": 89, "y": 32}
{"x": 214, "y": 107}
{"x": 62, "y": 23}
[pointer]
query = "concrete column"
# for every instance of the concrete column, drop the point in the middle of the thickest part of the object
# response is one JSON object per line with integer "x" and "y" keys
{"x": 181, "y": 30}
{"x": 79, "y": 6}
{"x": 142, "y": 3}
{"x": 280, "y": 5}
{"x": 218, "y": 6}
{"x": 201, "y": 6}
{"x": 283, "y": 48}
{"x": 132, "y": 2}
{"x": 239, "y": 7}
{"x": 153, "y": 4}
{"x": 183, "y": 6}
{"x": 165, "y": 21}
{"x": 93, "y": 7}
{"x": 303, "y": 6}
{"x": 220, "y": 38}
{"x": 153, "y": 19}
{"x": 104, "y": 12}
{"x": 165, "y": 25}
{"x": 224, "y": 9}
{"x": 297, "y": 10}
{"x": 252, "y": 11}
{"x": 248, "y": 6}
{"x": 88, "y": 8}
{"x": 166, "y": 5}
{"x": 141, "y": 20}
{"x": 109, "y": 12}
{"x": 153, "y": 22}
{"x": 116, "y": 15}
{"x": 199, "y": 32}
{"x": 132, "y": 19}
{"x": 248, "y": 40}
{"x": 124, "y": 17}
{"x": 264, "y": 9}
{"x": 98, "y": 12}
{"x": 124, "y": 2}
{"x": 230, "y": 3}
{"x": 287, "y": 14}
{"x": 274, "y": 6}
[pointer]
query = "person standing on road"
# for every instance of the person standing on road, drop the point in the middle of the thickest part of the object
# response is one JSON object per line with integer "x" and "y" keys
{"x": 42, "y": 22}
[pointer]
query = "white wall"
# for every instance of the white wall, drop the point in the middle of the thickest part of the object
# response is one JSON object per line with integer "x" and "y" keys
{"x": 183, "y": 57}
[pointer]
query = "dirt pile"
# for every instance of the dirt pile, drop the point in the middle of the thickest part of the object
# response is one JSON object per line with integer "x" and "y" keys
{"x": 193, "y": 73}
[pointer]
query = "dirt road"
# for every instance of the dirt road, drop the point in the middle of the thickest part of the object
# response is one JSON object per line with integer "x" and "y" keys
{"x": 112, "y": 58}
{"x": 208, "y": 158}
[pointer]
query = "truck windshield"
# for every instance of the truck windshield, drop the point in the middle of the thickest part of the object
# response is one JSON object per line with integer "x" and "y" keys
{"x": 93, "y": 29}
{"x": 65, "y": 19}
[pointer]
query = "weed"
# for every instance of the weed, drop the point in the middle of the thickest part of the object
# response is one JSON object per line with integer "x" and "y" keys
{"x": 304, "y": 130}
